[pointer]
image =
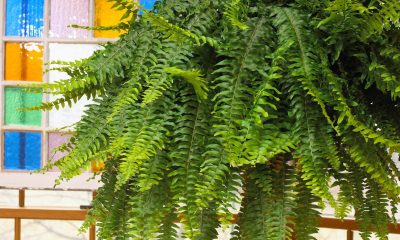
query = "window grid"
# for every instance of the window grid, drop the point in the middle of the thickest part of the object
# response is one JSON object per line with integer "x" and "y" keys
{"x": 45, "y": 40}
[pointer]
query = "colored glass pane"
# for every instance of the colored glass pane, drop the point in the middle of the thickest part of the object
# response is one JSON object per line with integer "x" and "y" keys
{"x": 24, "y": 62}
{"x": 68, "y": 52}
{"x": 106, "y": 16}
{"x": 97, "y": 166}
{"x": 17, "y": 98}
{"x": 67, "y": 12}
{"x": 22, "y": 150}
{"x": 24, "y": 18}
{"x": 147, "y": 4}
{"x": 56, "y": 139}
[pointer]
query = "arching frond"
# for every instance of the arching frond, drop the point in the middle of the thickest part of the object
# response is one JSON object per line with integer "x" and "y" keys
{"x": 205, "y": 108}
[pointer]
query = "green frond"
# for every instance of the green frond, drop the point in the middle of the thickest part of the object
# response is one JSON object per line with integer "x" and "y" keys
{"x": 147, "y": 212}
{"x": 362, "y": 128}
{"x": 381, "y": 71}
{"x": 233, "y": 11}
{"x": 119, "y": 27}
{"x": 213, "y": 170}
{"x": 193, "y": 77}
{"x": 365, "y": 155}
{"x": 270, "y": 142}
{"x": 252, "y": 219}
{"x": 384, "y": 14}
{"x": 235, "y": 76}
{"x": 307, "y": 212}
{"x": 280, "y": 221}
{"x": 92, "y": 134}
{"x": 208, "y": 224}
{"x": 312, "y": 152}
{"x": 151, "y": 172}
{"x": 145, "y": 139}
{"x": 268, "y": 203}
{"x": 229, "y": 198}
{"x": 176, "y": 33}
{"x": 304, "y": 62}
{"x": 188, "y": 134}
{"x": 158, "y": 81}
{"x": 169, "y": 228}
{"x": 205, "y": 108}
{"x": 110, "y": 208}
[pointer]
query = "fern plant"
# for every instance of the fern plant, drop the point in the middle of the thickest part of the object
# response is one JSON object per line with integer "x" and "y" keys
{"x": 203, "y": 109}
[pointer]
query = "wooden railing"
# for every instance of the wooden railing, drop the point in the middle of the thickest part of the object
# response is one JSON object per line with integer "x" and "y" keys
{"x": 23, "y": 212}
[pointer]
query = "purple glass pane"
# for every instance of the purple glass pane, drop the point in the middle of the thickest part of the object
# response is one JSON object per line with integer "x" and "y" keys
{"x": 67, "y": 12}
{"x": 55, "y": 140}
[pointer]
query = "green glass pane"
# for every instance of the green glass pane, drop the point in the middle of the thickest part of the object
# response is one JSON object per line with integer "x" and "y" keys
{"x": 17, "y": 98}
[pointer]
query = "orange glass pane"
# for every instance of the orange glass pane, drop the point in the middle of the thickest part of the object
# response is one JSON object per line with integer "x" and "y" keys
{"x": 24, "y": 62}
{"x": 97, "y": 166}
{"x": 105, "y": 16}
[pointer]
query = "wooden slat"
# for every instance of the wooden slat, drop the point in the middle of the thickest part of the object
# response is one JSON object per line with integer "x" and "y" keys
{"x": 17, "y": 229}
{"x": 350, "y": 224}
{"x": 21, "y": 198}
{"x": 17, "y": 221}
{"x": 78, "y": 214}
{"x": 346, "y": 224}
{"x": 46, "y": 214}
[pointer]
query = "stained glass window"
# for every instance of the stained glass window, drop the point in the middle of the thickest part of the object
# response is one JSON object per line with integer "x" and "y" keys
{"x": 33, "y": 33}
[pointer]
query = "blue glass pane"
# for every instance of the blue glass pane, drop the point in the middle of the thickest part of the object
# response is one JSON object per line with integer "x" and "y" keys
{"x": 22, "y": 150}
{"x": 24, "y": 18}
{"x": 147, "y": 4}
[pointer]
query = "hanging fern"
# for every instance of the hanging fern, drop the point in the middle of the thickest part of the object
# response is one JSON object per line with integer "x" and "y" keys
{"x": 206, "y": 108}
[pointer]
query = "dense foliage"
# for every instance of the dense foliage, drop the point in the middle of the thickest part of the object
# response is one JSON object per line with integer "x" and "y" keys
{"x": 207, "y": 107}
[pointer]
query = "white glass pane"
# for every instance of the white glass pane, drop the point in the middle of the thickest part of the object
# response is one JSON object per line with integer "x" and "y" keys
{"x": 8, "y": 198}
{"x": 68, "y": 52}
{"x": 330, "y": 234}
{"x": 48, "y": 198}
{"x": 51, "y": 230}
{"x": 7, "y": 228}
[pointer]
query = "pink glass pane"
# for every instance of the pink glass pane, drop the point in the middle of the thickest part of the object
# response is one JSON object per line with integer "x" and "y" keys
{"x": 55, "y": 140}
{"x": 67, "y": 12}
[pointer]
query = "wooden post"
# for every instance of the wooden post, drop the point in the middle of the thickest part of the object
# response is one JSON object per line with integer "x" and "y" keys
{"x": 21, "y": 198}
{"x": 350, "y": 235}
{"x": 92, "y": 231}
{"x": 17, "y": 228}
{"x": 17, "y": 221}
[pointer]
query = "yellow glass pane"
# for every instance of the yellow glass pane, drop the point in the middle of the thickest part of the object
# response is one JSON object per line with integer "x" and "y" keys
{"x": 105, "y": 16}
{"x": 24, "y": 62}
{"x": 97, "y": 166}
